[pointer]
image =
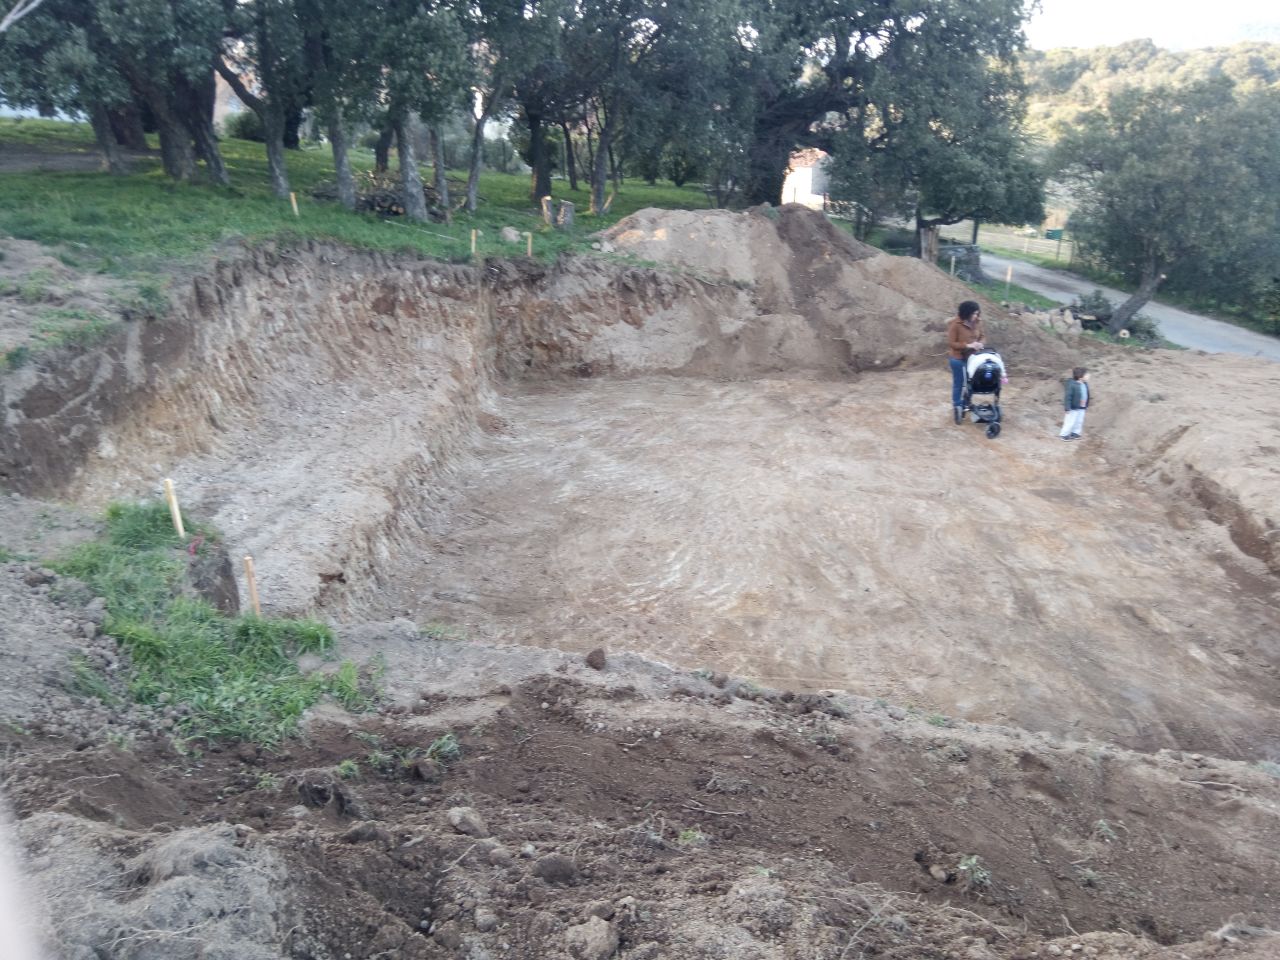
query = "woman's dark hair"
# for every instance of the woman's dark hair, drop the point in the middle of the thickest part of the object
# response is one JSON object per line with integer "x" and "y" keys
{"x": 968, "y": 308}
{"x": 1078, "y": 372}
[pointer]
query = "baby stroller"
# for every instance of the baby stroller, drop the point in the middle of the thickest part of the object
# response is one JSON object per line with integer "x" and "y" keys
{"x": 985, "y": 371}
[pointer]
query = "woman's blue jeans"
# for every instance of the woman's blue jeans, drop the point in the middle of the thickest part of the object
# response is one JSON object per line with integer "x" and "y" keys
{"x": 957, "y": 381}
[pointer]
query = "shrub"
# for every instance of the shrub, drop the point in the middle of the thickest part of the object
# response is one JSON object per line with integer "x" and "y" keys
{"x": 245, "y": 125}
{"x": 1144, "y": 329}
{"x": 1095, "y": 305}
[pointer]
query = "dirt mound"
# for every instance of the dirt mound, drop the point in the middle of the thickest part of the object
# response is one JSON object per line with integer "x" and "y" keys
{"x": 873, "y": 311}
{"x": 586, "y": 819}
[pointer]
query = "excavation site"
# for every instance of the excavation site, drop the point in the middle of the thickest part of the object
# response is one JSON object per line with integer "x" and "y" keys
{"x": 693, "y": 626}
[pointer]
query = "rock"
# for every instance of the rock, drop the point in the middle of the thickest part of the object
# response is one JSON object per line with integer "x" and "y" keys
{"x": 509, "y": 235}
{"x": 719, "y": 680}
{"x": 600, "y": 908}
{"x": 528, "y": 851}
{"x": 96, "y": 609}
{"x": 500, "y": 856}
{"x": 606, "y": 247}
{"x": 448, "y": 936}
{"x": 556, "y": 868}
{"x": 938, "y": 873}
{"x": 366, "y": 832}
{"x": 37, "y": 577}
{"x": 467, "y": 820}
{"x": 593, "y": 940}
{"x": 595, "y": 659}
{"x": 213, "y": 579}
{"x": 486, "y": 920}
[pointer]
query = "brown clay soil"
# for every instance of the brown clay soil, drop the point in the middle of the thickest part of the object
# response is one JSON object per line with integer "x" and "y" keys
{"x": 872, "y": 685}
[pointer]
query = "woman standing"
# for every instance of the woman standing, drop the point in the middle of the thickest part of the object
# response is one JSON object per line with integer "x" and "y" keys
{"x": 964, "y": 335}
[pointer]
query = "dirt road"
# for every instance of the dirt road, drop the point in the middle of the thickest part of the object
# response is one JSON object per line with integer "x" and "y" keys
{"x": 1178, "y": 326}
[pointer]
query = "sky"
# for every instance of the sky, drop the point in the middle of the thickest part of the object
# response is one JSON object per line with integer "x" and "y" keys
{"x": 1170, "y": 25}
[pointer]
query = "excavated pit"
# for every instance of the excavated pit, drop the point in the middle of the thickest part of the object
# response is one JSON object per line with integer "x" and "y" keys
{"x": 745, "y": 465}
{"x": 741, "y": 463}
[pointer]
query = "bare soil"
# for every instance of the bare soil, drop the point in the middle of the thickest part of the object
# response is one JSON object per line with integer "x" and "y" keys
{"x": 840, "y": 645}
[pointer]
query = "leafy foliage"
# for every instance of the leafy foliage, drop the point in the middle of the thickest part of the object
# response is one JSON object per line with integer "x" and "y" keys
{"x": 1177, "y": 181}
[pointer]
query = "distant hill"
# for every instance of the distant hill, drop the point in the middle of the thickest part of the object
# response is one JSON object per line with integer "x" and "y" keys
{"x": 1064, "y": 81}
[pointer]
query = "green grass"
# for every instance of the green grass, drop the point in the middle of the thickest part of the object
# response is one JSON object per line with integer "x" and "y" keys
{"x": 144, "y": 222}
{"x": 237, "y": 675}
{"x": 1012, "y": 293}
{"x": 52, "y": 135}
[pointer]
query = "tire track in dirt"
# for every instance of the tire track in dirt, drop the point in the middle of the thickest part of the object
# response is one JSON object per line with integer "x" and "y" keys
{"x": 820, "y": 535}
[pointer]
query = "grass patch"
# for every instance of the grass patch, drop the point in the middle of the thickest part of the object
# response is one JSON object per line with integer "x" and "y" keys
{"x": 143, "y": 221}
{"x": 236, "y": 676}
{"x": 62, "y": 326}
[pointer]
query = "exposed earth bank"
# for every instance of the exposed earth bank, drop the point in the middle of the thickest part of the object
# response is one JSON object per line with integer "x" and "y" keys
{"x": 1049, "y": 724}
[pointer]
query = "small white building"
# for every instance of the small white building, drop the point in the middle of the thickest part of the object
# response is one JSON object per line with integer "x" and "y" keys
{"x": 806, "y": 181}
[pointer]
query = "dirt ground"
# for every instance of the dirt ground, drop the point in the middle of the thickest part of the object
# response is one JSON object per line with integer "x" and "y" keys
{"x": 815, "y": 535}
{"x": 865, "y": 683}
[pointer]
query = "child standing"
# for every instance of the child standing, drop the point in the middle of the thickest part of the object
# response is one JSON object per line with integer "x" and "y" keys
{"x": 1075, "y": 401}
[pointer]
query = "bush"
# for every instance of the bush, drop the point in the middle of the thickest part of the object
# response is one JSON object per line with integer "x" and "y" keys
{"x": 1095, "y": 305}
{"x": 1144, "y": 329}
{"x": 245, "y": 125}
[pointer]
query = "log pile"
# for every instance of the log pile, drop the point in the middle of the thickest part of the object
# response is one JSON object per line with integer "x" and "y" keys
{"x": 382, "y": 194}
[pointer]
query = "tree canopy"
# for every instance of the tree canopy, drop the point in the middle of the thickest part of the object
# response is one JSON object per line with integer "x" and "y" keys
{"x": 1178, "y": 182}
{"x": 921, "y": 101}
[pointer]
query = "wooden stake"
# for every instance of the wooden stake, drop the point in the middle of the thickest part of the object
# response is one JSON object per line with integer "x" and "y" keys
{"x": 293, "y": 199}
{"x": 473, "y": 242}
{"x": 1008, "y": 279}
{"x": 953, "y": 264}
{"x": 174, "y": 512}
{"x": 252, "y": 581}
{"x": 528, "y": 244}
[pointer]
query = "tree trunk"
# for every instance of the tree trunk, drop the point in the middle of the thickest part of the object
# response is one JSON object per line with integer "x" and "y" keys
{"x": 206, "y": 142}
{"x": 382, "y": 149}
{"x": 615, "y": 168}
{"x": 477, "y": 161}
{"x": 342, "y": 163}
{"x": 600, "y": 171}
{"x": 100, "y": 119}
{"x": 293, "y": 118}
{"x": 1148, "y": 283}
{"x": 571, "y": 167}
{"x": 273, "y": 130}
{"x": 415, "y": 204}
{"x": 197, "y": 102}
{"x": 591, "y": 149}
{"x": 541, "y": 162}
{"x": 440, "y": 176}
{"x": 769, "y": 156}
{"x": 126, "y": 123}
{"x": 176, "y": 155}
{"x": 929, "y": 243}
{"x": 974, "y": 240}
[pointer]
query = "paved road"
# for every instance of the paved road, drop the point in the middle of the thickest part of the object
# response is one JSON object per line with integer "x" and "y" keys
{"x": 1179, "y": 326}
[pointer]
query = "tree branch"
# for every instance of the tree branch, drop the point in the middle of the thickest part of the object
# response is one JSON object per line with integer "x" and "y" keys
{"x": 237, "y": 86}
{"x": 20, "y": 10}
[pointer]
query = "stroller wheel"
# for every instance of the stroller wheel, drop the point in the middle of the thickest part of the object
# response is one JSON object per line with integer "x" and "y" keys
{"x": 993, "y": 430}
